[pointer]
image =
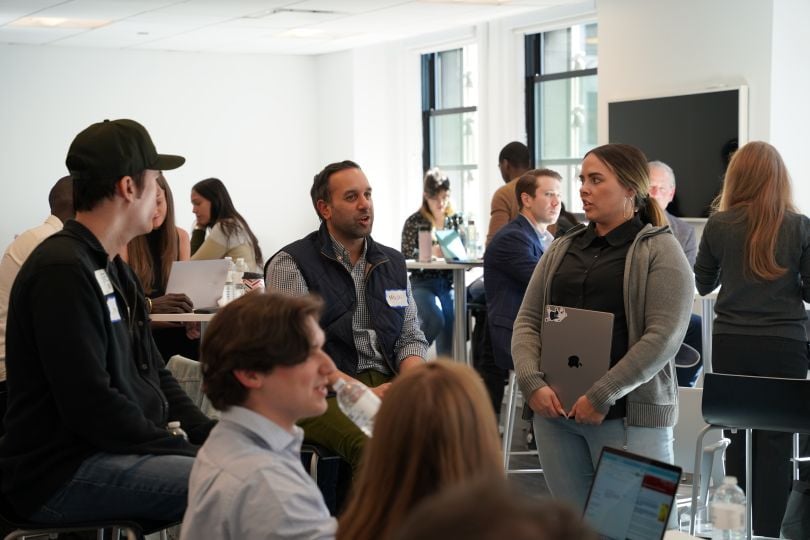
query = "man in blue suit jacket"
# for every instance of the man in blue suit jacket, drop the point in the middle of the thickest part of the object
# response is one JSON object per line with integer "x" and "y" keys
{"x": 513, "y": 253}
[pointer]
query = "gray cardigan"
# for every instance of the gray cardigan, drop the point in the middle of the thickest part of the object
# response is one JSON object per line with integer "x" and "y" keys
{"x": 658, "y": 294}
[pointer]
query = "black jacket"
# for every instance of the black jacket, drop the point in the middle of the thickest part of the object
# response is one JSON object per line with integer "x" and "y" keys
{"x": 84, "y": 375}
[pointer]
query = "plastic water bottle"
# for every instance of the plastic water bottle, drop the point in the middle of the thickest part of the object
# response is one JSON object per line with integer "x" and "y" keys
{"x": 727, "y": 509}
{"x": 239, "y": 271}
{"x": 358, "y": 403}
{"x": 472, "y": 240}
{"x": 228, "y": 291}
{"x": 175, "y": 429}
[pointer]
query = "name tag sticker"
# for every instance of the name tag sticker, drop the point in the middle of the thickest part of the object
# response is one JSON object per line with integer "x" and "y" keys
{"x": 396, "y": 297}
{"x": 112, "y": 305}
{"x": 555, "y": 314}
{"x": 104, "y": 282}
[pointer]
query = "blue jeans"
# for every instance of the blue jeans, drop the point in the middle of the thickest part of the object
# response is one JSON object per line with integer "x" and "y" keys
{"x": 569, "y": 452}
{"x": 113, "y": 486}
{"x": 436, "y": 318}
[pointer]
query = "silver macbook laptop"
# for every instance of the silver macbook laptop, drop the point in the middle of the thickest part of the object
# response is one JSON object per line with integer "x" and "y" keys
{"x": 576, "y": 350}
{"x": 452, "y": 247}
{"x": 631, "y": 496}
{"x": 202, "y": 281}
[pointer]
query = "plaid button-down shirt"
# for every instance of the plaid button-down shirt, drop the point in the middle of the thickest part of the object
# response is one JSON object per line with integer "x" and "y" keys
{"x": 284, "y": 276}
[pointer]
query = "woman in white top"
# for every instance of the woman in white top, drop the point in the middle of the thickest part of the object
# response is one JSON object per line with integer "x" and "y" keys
{"x": 228, "y": 233}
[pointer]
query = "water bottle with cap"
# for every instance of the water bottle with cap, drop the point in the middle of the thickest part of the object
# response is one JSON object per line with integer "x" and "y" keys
{"x": 472, "y": 239}
{"x": 727, "y": 509}
{"x": 175, "y": 429}
{"x": 228, "y": 291}
{"x": 239, "y": 271}
{"x": 358, "y": 403}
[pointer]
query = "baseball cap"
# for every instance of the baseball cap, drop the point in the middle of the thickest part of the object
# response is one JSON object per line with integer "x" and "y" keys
{"x": 116, "y": 148}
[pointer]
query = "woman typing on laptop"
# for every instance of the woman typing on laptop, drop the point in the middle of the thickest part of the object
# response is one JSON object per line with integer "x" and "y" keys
{"x": 228, "y": 234}
{"x": 627, "y": 263}
{"x": 432, "y": 285}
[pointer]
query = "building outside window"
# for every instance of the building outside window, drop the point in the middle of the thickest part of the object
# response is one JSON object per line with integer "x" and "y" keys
{"x": 450, "y": 122}
{"x": 561, "y": 102}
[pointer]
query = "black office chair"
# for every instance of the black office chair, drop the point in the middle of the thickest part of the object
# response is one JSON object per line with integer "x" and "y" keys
{"x": 131, "y": 529}
{"x": 332, "y": 474}
{"x": 746, "y": 402}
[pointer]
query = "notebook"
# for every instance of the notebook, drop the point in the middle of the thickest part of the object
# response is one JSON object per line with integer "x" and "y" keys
{"x": 201, "y": 281}
{"x": 631, "y": 496}
{"x": 576, "y": 350}
{"x": 452, "y": 247}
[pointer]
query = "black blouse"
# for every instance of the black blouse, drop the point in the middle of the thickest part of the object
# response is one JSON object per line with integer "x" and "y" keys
{"x": 591, "y": 276}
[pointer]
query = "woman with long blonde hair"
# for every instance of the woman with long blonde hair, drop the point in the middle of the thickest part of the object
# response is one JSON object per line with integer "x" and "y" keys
{"x": 435, "y": 429}
{"x": 756, "y": 247}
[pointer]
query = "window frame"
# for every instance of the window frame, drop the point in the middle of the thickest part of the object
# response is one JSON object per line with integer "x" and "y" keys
{"x": 534, "y": 54}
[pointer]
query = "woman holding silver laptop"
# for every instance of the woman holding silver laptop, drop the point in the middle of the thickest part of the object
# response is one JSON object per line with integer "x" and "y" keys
{"x": 625, "y": 262}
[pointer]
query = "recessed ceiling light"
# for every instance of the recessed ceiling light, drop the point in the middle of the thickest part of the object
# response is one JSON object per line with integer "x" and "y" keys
{"x": 302, "y": 33}
{"x": 268, "y": 12}
{"x": 58, "y": 22}
{"x": 489, "y": 2}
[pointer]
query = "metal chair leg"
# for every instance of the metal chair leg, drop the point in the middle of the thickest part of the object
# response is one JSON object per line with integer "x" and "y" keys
{"x": 509, "y": 421}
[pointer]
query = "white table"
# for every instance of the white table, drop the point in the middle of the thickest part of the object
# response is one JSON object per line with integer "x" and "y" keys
{"x": 460, "y": 301}
{"x": 202, "y": 318}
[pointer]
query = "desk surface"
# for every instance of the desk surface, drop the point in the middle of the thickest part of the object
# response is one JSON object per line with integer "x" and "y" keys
{"x": 441, "y": 264}
{"x": 182, "y": 317}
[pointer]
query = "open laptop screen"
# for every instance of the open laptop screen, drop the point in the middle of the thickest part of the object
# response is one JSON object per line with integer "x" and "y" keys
{"x": 631, "y": 496}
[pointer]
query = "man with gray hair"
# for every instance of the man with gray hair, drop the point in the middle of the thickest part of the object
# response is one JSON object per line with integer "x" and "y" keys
{"x": 662, "y": 189}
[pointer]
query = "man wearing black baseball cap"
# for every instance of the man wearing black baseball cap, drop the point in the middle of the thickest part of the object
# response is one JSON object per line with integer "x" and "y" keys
{"x": 89, "y": 397}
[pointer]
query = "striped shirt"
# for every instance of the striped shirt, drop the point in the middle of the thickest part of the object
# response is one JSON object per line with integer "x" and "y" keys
{"x": 284, "y": 276}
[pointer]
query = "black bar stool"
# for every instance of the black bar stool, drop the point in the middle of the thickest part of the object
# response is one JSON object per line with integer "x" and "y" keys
{"x": 746, "y": 402}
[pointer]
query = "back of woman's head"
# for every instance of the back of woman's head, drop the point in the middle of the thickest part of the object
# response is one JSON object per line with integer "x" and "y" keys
{"x": 756, "y": 176}
{"x": 435, "y": 428}
{"x": 224, "y": 212}
{"x": 758, "y": 181}
{"x": 629, "y": 164}
{"x": 489, "y": 508}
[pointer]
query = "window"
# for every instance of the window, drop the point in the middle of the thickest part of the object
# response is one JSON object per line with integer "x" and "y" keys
{"x": 561, "y": 93}
{"x": 449, "y": 122}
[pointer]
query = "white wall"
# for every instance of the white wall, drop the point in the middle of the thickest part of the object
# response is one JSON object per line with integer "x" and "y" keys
{"x": 790, "y": 88}
{"x": 380, "y": 124}
{"x": 249, "y": 120}
{"x": 649, "y": 48}
{"x": 267, "y": 124}
{"x": 653, "y": 48}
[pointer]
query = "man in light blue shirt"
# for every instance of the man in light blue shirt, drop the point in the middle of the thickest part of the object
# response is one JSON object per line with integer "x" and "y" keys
{"x": 264, "y": 368}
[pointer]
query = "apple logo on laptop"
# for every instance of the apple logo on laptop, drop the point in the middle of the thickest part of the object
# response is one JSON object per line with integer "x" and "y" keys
{"x": 573, "y": 361}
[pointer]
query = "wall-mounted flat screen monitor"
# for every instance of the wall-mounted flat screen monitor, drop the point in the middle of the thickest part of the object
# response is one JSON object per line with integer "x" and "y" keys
{"x": 692, "y": 133}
